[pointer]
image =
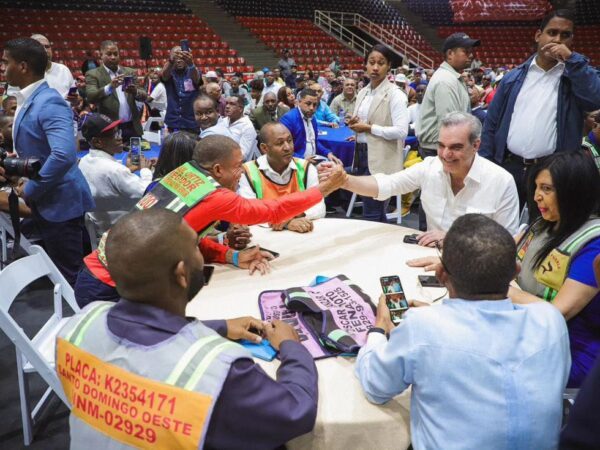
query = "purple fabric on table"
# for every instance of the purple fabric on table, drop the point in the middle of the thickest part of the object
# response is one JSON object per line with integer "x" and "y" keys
{"x": 253, "y": 411}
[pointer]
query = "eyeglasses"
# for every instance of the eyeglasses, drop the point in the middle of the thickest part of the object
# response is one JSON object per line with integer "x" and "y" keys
{"x": 438, "y": 247}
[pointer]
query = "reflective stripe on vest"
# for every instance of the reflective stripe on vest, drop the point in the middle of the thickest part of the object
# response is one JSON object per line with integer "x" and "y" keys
{"x": 179, "y": 191}
{"x": 588, "y": 145}
{"x": 258, "y": 180}
{"x": 167, "y": 405}
{"x": 553, "y": 270}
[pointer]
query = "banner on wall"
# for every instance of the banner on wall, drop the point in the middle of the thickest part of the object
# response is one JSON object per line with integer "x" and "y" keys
{"x": 486, "y": 10}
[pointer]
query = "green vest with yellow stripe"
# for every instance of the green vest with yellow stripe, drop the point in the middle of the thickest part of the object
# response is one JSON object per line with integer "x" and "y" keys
{"x": 264, "y": 188}
{"x": 127, "y": 395}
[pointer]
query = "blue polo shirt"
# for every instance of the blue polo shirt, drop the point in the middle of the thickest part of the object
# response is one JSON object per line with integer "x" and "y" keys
{"x": 181, "y": 93}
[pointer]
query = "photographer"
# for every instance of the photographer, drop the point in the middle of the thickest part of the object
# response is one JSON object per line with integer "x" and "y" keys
{"x": 58, "y": 196}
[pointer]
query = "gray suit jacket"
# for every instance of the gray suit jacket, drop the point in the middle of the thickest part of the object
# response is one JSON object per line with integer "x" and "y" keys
{"x": 96, "y": 80}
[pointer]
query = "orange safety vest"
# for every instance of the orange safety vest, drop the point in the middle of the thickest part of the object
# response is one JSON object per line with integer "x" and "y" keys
{"x": 265, "y": 188}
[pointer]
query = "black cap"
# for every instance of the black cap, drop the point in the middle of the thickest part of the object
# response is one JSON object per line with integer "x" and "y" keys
{"x": 96, "y": 124}
{"x": 459, "y": 40}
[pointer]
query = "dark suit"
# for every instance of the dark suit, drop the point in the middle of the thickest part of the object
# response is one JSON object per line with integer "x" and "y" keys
{"x": 96, "y": 80}
{"x": 259, "y": 116}
{"x": 59, "y": 196}
{"x": 295, "y": 123}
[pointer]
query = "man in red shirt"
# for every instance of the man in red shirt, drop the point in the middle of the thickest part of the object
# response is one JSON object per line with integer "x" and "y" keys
{"x": 206, "y": 194}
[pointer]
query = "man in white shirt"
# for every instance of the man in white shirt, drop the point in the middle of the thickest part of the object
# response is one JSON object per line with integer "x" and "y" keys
{"x": 114, "y": 187}
{"x": 58, "y": 76}
{"x": 271, "y": 85}
{"x": 207, "y": 118}
{"x": 240, "y": 126}
{"x": 455, "y": 182}
{"x": 277, "y": 173}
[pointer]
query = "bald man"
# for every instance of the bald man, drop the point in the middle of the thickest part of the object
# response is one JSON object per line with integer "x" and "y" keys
{"x": 58, "y": 76}
{"x": 217, "y": 161}
{"x": 146, "y": 342}
{"x": 277, "y": 173}
{"x": 270, "y": 111}
{"x": 213, "y": 90}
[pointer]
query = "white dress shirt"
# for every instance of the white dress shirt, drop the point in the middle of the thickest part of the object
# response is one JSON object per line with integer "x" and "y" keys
{"x": 274, "y": 88}
{"x": 245, "y": 190}
{"x": 219, "y": 129}
{"x": 414, "y": 112}
{"x": 59, "y": 77}
{"x": 244, "y": 134}
{"x": 489, "y": 190}
{"x": 22, "y": 95}
{"x": 311, "y": 139}
{"x": 115, "y": 189}
{"x": 124, "y": 110}
{"x": 159, "y": 98}
{"x": 398, "y": 110}
{"x": 532, "y": 132}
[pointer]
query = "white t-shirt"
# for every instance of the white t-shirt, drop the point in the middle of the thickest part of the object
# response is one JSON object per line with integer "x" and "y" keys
{"x": 59, "y": 77}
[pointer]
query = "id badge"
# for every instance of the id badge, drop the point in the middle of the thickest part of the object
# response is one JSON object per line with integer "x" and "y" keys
{"x": 188, "y": 85}
{"x": 553, "y": 270}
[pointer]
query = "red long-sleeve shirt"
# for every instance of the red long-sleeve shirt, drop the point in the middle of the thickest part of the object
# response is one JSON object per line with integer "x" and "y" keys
{"x": 226, "y": 205}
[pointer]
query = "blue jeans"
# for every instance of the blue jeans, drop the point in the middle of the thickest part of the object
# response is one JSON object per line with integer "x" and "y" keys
{"x": 373, "y": 210}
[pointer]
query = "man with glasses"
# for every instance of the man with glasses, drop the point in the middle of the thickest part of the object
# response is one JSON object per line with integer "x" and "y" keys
{"x": 446, "y": 91}
{"x": 114, "y": 187}
{"x": 456, "y": 182}
{"x": 485, "y": 373}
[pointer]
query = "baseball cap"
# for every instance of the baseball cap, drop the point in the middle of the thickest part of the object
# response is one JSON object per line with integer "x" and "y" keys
{"x": 400, "y": 78}
{"x": 95, "y": 124}
{"x": 211, "y": 74}
{"x": 459, "y": 40}
{"x": 265, "y": 70}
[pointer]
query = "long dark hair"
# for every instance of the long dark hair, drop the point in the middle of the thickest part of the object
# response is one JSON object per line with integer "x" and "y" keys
{"x": 282, "y": 96}
{"x": 177, "y": 149}
{"x": 577, "y": 184}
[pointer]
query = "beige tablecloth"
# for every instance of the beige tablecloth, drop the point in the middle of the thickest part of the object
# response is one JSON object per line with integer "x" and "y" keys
{"x": 363, "y": 251}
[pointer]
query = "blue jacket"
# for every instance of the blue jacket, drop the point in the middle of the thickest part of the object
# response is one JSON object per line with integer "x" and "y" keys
{"x": 579, "y": 91}
{"x": 44, "y": 129}
{"x": 293, "y": 121}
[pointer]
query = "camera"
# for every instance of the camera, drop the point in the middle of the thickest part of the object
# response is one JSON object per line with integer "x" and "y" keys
{"x": 20, "y": 167}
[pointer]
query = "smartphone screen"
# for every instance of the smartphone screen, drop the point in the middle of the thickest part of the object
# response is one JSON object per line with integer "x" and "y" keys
{"x": 394, "y": 297}
{"x": 429, "y": 281}
{"x": 135, "y": 149}
{"x": 72, "y": 91}
{"x": 127, "y": 81}
{"x": 185, "y": 45}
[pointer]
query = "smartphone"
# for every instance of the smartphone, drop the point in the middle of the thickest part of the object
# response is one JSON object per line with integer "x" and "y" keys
{"x": 262, "y": 249}
{"x": 411, "y": 239}
{"x": 127, "y": 81}
{"x": 430, "y": 281}
{"x": 394, "y": 297}
{"x": 185, "y": 45}
{"x": 72, "y": 91}
{"x": 135, "y": 150}
{"x": 208, "y": 272}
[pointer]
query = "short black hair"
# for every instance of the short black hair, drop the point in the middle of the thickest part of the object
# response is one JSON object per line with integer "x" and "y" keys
{"x": 29, "y": 51}
{"x": 105, "y": 44}
{"x": 8, "y": 99}
{"x": 479, "y": 257}
{"x": 257, "y": 85}
{"x": 206, "y": 98}
{"x": 214, "y": 149}
{"x": 385, "y": 51}
{"x": 566, "y": 14}
{"x": 308, "y": 92}
{"x": 239, "y": 98}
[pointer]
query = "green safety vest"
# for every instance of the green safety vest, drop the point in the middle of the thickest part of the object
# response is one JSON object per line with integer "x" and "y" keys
{"x": 255, "y": 178}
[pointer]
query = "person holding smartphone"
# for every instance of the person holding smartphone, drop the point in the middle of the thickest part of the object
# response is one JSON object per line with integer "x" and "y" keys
{"x": 181, "y": 79}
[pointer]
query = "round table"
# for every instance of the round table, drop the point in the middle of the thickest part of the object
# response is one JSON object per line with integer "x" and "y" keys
{"x": 363, "y": 251}
{"x": 335, "y": 140}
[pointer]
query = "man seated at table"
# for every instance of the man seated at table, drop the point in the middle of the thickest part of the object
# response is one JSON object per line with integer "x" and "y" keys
{"x": 145, "y": 340}
{"x": 270, "y": 111}
{"x": 346, "y": 100}
{"x": 277, "y": 173}
{"x": 114, "y": 187}
{"x": 216, "y": 169}
{"x": 485, "y": 373}
{"x": 456, "y": 182}
{"x": 207, "y": 117}
{"x": 323, "y": 113}
{"x": 240, "y": 126}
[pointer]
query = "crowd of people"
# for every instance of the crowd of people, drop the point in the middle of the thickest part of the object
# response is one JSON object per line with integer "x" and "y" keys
{"x": 507, "y": 172}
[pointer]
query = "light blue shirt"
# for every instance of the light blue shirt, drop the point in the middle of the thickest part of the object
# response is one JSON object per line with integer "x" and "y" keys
{"x": 484, "y": 374}
{"x": 217, "y": 130}
{"x": 324, "y": 115}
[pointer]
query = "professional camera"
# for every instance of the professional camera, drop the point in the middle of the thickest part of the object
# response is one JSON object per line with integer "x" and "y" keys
{"x": 20, "y": 167}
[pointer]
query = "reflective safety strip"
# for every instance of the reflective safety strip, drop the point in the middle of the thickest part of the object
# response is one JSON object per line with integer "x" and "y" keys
{"x": 75, "y": 336}
{"x": 338, "y": 334}
{"x": 300, "y": 173}
{"x": 255, "y": 179}
{"x": 188, "y": 360}
{"x": 301, "y": 294}
{"x": 582, "y": 237}
{"x": 206, "y": 362}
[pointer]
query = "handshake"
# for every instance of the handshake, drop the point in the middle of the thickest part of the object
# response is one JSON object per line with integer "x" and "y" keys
{"x": 332, "y": 176}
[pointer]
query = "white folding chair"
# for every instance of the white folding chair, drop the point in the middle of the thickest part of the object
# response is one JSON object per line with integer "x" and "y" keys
{"x": 91, "y": 230}
{"x": 37, "y": 354}
{"x": 6, "y": 230}
{"x": 153, "y": 136}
